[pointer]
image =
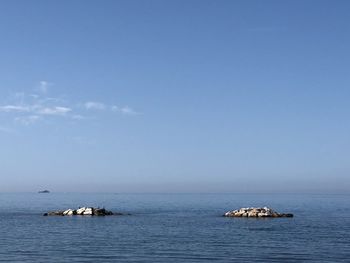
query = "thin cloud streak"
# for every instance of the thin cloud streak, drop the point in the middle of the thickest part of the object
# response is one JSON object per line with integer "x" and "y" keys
{"x": 54, "y": 111}
{"x": 37, "y": 109}
{"x": 125, "y": 110}
{"x": 93, "y": 105}
{"x": 78, "y": 117}
{"x": 129, "y": 111}
{"x": 14, "y": 108}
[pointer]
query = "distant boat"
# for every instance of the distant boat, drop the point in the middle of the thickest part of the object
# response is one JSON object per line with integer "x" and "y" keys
{"x": 44, "y": 192}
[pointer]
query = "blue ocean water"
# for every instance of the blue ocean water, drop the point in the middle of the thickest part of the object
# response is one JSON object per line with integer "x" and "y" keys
{"x": 174, "y": 228}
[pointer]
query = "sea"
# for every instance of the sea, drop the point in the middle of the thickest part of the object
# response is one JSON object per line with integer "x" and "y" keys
{"x": 174, "y": 228}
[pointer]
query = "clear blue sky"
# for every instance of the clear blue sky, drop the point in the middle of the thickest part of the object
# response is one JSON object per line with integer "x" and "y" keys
{"x": 175, "y": 96}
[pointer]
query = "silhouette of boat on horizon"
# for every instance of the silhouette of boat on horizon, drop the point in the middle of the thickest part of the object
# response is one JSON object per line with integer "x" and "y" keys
{"x": 44, "y": 192}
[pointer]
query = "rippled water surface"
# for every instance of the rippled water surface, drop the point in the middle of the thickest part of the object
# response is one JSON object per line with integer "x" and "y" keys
{"x": 174, "y": 228}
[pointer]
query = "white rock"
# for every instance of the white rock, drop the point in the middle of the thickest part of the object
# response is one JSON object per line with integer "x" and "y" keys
{"x": 255, "y": 212}
{"x": 262, "y": 214}
{"x": 80, "y": 211}
{"x": 68, "y": 212}
{"x": 88, "y": 211}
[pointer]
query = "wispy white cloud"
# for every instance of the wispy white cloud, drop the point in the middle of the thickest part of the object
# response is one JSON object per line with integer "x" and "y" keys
{"x": 114, "y": 108}
{"x": 57, "y": 110}
{"x": 78, "y": 117}
{"x": 128, "y": 111}
{"x": 27, "y": 120}
{"x": 14, "y": 108}
{"x": 37, "y": 109}
{"x": 30, "y": 108}
{"x": 93, "y": 105}
{"x": 124, "y": 110}
{"x": 44, "y": 86}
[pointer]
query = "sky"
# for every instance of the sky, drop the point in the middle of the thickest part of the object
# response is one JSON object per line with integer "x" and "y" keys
{"x": 175, "y": 96}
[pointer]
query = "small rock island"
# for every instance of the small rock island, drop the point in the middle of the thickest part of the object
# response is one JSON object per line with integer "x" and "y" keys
{"x": 255, "y": 212}
{"x": 83, "y": 211}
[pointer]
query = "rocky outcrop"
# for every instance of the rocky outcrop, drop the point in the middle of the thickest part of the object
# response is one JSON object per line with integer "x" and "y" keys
{"x": 68, "y": 212}
{"x": 255, "y": 212}
{"x": 83, "y": 211}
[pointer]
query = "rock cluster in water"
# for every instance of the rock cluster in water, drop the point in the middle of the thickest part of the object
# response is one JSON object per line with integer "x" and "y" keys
{"x": 84, "y": 211}
{"x": 255, "y": 212}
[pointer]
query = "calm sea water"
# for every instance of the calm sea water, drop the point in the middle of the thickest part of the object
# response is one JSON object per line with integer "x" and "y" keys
{"x": 174, "y": 228}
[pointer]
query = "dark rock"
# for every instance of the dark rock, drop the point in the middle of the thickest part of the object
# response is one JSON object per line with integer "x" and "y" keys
{"x": 286, "y": 215}
{"x": 101, "y": 212}
{"x": 44, "y": 192}
{"x": 54, "y": 213}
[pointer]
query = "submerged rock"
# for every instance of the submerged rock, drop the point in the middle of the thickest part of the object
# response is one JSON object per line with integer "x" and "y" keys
{"x": 255, "y": 212}
{"x": 54, "y": 213}
{"x": 84, "y": 211}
